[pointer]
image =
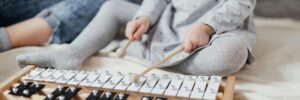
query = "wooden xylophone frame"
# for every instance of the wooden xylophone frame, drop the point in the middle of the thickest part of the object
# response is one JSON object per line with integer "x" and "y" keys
{"x": 226, "y": 87}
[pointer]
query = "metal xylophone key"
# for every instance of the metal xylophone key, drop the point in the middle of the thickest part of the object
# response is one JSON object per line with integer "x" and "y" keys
{"x": 103, "y": 78}
{"x": 175, "y": 85}
{"x": 33, "y": 73}
{"x": 44, "y": 75}
{"x": 113, "y": 81}
{"x": 162, "y": 84}
{"x": 150, "y": 83}
{"x": 66, "y": 77}
{"x": 124, "y": 83}
{"x": 78, "y": 78}
{"x": 135, "y": 87}
{"x": 56, "y": 75}
{"x": 199, "y": 88}
{"x": 187, "y": 86}
{"x": 212, "y": 88}
{"x": 90, "y": 78}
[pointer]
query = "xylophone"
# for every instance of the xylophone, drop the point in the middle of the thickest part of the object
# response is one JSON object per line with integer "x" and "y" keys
{"x": 52, "y": 84}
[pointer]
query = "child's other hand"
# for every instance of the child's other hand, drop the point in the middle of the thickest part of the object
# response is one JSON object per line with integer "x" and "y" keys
{"x": 196, "y": 36}
{"x": 136, "y": 28}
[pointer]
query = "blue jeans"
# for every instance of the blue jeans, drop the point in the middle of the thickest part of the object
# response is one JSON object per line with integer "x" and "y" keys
{"x": 67, "y": 17}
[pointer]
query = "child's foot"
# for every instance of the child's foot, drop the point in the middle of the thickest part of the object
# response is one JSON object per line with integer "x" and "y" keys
{"x": 63, "y": 58}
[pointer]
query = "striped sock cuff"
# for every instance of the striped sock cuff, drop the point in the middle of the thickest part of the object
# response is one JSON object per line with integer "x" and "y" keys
{"x": 4, "y": 40}
{"x": 49, "y": 16}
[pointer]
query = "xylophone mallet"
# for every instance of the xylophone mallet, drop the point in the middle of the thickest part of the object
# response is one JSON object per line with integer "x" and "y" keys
{"x": 136, "y": 77}
{"x": 121, "y": 52}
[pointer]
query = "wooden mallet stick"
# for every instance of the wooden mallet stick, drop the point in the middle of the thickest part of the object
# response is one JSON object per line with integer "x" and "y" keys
{"x": 136, "y": 77}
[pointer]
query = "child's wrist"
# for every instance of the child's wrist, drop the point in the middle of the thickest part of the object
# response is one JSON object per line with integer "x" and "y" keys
{"x": 144, "y": 18}
{"x": 208, "y": 29}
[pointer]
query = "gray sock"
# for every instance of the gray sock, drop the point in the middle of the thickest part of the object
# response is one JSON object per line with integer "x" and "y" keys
{"x": 101, "y": 30}
{"x": 4, "y": 40}
{"x": 62, "y": 58}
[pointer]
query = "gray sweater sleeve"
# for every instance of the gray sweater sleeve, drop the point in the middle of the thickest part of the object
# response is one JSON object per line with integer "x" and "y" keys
{"x": 152, "y": 8}
{"x": 228, "y": 15}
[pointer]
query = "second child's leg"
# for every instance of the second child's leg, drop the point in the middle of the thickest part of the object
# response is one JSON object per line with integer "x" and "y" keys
{"x": 19, "y": 27}
{"x": 32, "y": 32}
{"x": 103, "y": 28}
{"x": 57, "y": 19}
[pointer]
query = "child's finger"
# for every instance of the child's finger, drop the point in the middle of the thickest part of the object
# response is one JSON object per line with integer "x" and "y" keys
{"x": 188, "y": 46}
{"x": 130, "y": 29}
{"x": 137, "y": 35}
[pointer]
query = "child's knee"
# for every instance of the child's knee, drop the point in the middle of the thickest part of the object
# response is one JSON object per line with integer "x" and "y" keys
{"x": 219, "y": 67}
{"x": 221, "y": 60}
{"x": 225, "y": 68}
{"x": 232, "y": 57}
{"x": 110, "y": 5}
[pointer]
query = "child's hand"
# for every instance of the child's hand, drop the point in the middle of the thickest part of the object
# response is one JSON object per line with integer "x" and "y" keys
{"x": 136, "y": 28}
{"x": 196, "y": 36}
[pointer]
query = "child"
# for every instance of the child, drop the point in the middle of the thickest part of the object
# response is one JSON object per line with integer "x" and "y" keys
{"x": 217, "y": 35}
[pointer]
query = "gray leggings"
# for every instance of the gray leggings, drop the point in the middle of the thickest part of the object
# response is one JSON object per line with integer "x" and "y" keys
{"x": 226, "y": 54}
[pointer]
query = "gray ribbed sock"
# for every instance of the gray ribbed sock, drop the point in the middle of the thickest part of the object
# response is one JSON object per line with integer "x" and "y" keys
{"x": 4, "y": 40}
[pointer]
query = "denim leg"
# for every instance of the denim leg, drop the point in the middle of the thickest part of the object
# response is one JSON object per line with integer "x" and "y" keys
{"x": 70, "y": 17}
{"x": 67, "y": 17}
{"x": 13, "y": 11}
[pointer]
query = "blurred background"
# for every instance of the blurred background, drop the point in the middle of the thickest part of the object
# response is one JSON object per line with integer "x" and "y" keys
{"x": 278, "y": 9}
